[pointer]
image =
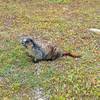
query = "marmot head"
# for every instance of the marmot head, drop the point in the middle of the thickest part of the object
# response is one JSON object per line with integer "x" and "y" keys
{"x": 27, "y": 41}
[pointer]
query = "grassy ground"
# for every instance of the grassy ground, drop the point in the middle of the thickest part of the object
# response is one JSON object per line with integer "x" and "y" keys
{"x": 64, "y": 22}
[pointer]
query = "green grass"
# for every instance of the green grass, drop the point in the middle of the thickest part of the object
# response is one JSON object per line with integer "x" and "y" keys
{"x": 64, "y": 22}
{"x": 59, "y": 1}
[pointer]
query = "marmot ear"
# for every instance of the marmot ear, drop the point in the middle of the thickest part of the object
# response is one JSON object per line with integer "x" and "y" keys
{"x": 25, "y": 38}
{"x": 31, "y": 40}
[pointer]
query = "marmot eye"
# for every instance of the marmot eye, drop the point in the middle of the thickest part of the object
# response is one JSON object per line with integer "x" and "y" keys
{"x": 27, "y": 41}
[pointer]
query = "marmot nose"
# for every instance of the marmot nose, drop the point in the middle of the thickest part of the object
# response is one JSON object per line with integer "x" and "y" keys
{"x": 24, "y": 44}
